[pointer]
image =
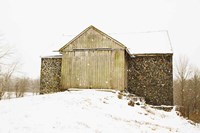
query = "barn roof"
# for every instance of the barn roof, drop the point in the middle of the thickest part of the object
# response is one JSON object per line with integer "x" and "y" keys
{"x": 146, "y": 42}
{"x": 157, "y": 42}
{"x": 52, "y": 56}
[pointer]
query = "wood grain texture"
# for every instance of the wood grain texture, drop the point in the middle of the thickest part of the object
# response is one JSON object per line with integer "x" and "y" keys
{"x": 93, "y": 69}
{"x": 93, "y": 61}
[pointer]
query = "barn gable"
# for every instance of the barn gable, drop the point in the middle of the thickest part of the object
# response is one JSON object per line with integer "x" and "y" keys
{"x": 92, "y": 38}
{"x": 93, "y": 60}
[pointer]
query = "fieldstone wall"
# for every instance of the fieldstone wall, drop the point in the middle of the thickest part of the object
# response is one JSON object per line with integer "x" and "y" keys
{"x": 50, "y": 80}
{"x": 151, "y": 76}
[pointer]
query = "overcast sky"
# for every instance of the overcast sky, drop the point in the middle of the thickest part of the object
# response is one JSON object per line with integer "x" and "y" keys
{"x": 32, "y": 26}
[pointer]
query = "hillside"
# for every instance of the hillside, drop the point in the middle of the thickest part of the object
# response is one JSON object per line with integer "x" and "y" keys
{"x": 86, "y": 111}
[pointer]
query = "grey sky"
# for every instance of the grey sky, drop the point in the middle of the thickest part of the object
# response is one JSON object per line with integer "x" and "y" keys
{"x": 32, "y": 26}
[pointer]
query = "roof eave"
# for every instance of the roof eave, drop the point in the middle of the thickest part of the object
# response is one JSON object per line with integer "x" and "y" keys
{"x": 151, "y": 54}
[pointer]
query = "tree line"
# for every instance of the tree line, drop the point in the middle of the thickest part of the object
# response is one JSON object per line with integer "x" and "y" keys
{"x": 10, "y": 84}
{"x": 187, "y": 89}
{"x": 17, "y": 87}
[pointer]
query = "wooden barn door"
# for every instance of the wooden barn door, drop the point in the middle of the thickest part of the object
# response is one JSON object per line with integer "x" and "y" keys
{"x": 91, "y": 69}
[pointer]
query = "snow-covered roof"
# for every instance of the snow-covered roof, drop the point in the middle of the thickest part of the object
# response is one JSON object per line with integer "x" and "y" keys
{"x": 52, "y": 56}
{"x": 137, "y": 43}
{"x": 145, "y": 43}
{"x": 52, "y": 50}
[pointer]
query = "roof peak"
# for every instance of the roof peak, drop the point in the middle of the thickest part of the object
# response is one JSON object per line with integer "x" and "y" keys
{"x": 91, "y": 26}
{"x": 97, "y": 30}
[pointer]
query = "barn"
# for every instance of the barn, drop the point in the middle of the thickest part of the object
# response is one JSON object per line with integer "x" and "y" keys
{"x": 93, "y": 59}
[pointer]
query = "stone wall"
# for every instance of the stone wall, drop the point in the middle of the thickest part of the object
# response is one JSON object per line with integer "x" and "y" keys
{"x": 151, "y": 76}
{"x": 50, "y": 74}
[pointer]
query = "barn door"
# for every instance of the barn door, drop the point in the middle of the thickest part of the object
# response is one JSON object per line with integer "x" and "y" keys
{"x": 91, "y": 69}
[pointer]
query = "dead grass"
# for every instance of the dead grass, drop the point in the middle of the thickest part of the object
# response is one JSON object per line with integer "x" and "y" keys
{"x": 195, "y": 117}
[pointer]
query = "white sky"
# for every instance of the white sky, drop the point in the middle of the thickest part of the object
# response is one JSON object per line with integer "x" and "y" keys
{"x": 32, "y": 26}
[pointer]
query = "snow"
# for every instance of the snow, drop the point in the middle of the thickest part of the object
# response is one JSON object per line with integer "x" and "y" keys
{"x": 52, "y": 50}
{"x": 10, "y": 95}
{"x": 145, "y": 42}
{"x": 86, "y": 111}
{"x": 137, "y": 43}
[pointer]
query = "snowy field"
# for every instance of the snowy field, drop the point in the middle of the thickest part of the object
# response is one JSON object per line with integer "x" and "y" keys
{"x": 11, "y": 95}
{"x": 87, "y": 111}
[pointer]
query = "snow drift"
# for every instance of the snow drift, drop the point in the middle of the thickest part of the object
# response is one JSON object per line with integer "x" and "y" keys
{"x": 86, "y": 111}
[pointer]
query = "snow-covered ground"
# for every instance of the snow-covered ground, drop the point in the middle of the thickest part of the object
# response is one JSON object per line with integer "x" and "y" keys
{"x": 10, "y": 95}
{"x": 86, "y": 111}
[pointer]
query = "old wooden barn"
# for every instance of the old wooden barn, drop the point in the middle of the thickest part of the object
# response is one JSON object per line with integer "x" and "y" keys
{"x": 94, "y": 59}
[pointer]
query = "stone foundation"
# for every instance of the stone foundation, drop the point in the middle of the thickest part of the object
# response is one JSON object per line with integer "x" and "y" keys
{"x": 50, "y": 74}
{"x": 151, "y": 76}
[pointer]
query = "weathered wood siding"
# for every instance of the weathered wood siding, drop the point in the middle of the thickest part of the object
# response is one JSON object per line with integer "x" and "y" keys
{"x": 92, "y": 39}
{"x": 93, "y": 69}
{"x": 151, "y": 76}
{"x": 93, "y": 61}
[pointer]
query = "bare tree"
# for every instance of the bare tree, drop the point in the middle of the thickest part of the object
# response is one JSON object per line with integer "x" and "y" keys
{"x": 2, "y": 92}
{"x": 195, "y": 95}
{"x": 7, "y": 66}
{"x": 183, "y": 72}
{"x": 21, "y": 86}
{"x": 187, "y": 89}
{"x": 35, "y": 86}
{"x": 195, "y": 80}
{"x": 7, "y": 79}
